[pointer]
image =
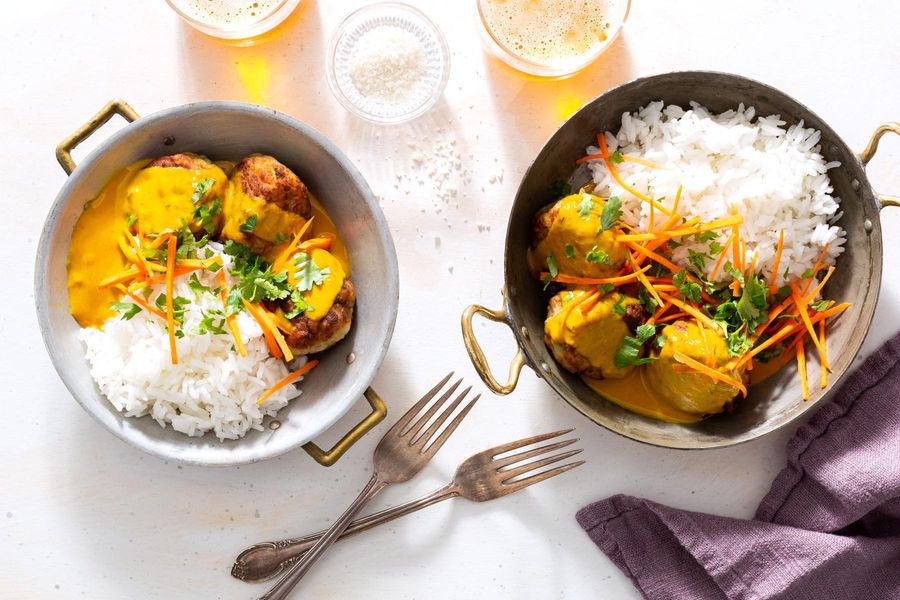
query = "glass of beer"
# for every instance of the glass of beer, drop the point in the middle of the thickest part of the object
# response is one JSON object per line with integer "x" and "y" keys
{"x": 551, "y": 38}
{"x": 234, "y": 19}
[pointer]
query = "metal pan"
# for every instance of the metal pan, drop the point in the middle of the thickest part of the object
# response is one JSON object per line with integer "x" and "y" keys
{"x": 229, "y": 130}
{"x": 770, "y": 405}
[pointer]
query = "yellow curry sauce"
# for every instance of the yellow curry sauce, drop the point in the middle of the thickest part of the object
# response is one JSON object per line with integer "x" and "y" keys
{"x": 163, "y": 199}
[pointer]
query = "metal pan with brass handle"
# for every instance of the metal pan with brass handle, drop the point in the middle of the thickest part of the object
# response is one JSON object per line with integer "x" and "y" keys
{"x": 228, "y": 130}
{"x": 476, "y": 354}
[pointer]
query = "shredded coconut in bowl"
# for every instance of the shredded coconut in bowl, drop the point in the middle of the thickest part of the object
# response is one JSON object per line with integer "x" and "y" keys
{"x": 212, "y": 388}
{"x": 729, "y": 163}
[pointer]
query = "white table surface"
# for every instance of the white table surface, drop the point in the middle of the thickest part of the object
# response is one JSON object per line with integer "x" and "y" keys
{"x": 84, "y": 515}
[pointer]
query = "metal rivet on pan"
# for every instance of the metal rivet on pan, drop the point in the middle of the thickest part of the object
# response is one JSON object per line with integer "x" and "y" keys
{"x": 867, "y": 225}
{"x": 855, "y": 184}
{"x": 525, "y": 333}
{"x": 350, "y": 358}
{"x": 169, "y": 140}
{"x": 545, "y": 367}
{"x": 274, "y": 425}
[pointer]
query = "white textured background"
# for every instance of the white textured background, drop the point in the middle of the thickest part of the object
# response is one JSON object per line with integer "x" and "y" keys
{"x": 84, "y": 515}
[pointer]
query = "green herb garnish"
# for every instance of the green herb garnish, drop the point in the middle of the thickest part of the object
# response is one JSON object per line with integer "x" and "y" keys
{"x": 616, "y": 157}
{"x": 597, "y": 256}
{"x": 612, "y": 210}
{"x": 200, "y": 188}
{"x": 629, "y": 352}
{"x": 126, "y": 310}
{"x": 570, "y": 251}
{"x": 249, "y": 225}
{"x": 689, "y": 289}
{"x": 585, "y": 206}
{"x": 552, "y": 270}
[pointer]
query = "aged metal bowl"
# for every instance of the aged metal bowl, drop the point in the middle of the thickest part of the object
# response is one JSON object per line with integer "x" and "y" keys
{"x": 231, "y": 130}
{"x": 776, "y": 402}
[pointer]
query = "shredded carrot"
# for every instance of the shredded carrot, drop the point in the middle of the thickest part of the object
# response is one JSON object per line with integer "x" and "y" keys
{"x": 643, "y": 279}
{"x": 278, "y": 265}
{"x": 801, "y": 368}
{"x": 170, "y": 300}
{"x": 276, "y": 333}
{"x": 736, "y": 247}
{"x": 693, "y": 312}
{"x": 804, "y": 315}
{"x": 160, "y": 240}
{"x": 650, "y": 223}
{"x": 588, "y": 158}
{"x": 122, "y": 277}
{"x": 230, "y": 319}
{"x": 809, "y": 297}
{"x": 142, "y": 260}
{"x": 824, "y": 377}
{"x": 753, "y": 263}
{"x": 772, "y": 287}
{"x": 687, "y": 229}
{"x": 281, "y": 321}
{"x": 615, "y": 174}
{"x": 266, "y": 327}
{"x": 641, "y": 161}
{"x": 654, "y": 256}
{"x": 322, "y": 242}
{"x": 309, "y": 366}
{"x": 141, "y": 302}
{"x": 710, "y": 372}
{"x": 587, "y": 302}
{"x": 721, "y": 260}
{"x": 672, "y": 317}
{"x": 818, "y": 267}
{"x": 179, "y": 271}
{"x": 595, "y": 281}
{"x": 659, "y": 312}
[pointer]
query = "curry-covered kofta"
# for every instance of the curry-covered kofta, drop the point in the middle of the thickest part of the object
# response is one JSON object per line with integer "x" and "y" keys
{"x": 197, "y": 291}
{"x": 584, "y": 331}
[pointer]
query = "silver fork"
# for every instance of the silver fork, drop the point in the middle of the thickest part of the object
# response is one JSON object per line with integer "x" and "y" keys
{"x": 403, "y": 451}
{"x": 481, "y": 477}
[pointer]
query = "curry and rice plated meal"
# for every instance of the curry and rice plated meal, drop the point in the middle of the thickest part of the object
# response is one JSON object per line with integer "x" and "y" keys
{"x": 693, "y": 263}
{"x": 202, "y": 287}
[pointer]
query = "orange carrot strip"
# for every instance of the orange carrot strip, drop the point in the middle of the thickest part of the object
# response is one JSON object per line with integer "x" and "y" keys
{"x": 801, "y": 368}
{"x": 654, "y": 256}
{"x": 587, "y": 302}
{"x": 809, "y": 297}
{"x": 672, "y": 317}
{"x": 753, "y": 262}
{"x": 736, "y": 246}
{"x": 595, "y": 281}
{"x": 274, "y": 350}
{"x": 136, "y": 249}
{"x": 693, "y": 312}
{"x": 288, "y": 380}
{"x": 141, "y": 302}
{"x": 818, "y": 266}
{"x": 615, "y": 174}
{"x": 276, "y": 333}
{"x": 122, "y": 277}
{"x": 710, "y": 372}
{"x": 230, "y": 320}
{"x": 588, "y": 158}
{"x": 160, "y": 240}
{"x": 772, "y": 287}
{"x": 650, "y": 221}
{"x": 642, "y": 161}
{"x": 278, "y": 265}
{"x": 686, "y": 229}
{"x": 804, "y": 315}
{"x": 170, "y": 301}
{"x": 721, "y": 260}
{"x": 179, "y": 271}
{"x": 643, "y": 279}
{"x": 659, "y": 312}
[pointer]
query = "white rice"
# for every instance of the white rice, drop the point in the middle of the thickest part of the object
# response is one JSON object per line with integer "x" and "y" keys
{"x": 212, "y": 388}
{"x": 730, "y": 163}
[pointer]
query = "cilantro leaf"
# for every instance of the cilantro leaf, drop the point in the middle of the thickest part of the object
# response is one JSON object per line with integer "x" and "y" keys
{"x": 689, "y": 289}
{"x": 706, "y": 236}
{"x": 570, "y": 251}
{"x": 752, "y": 304}
{"x": 585, "y": 206}
{"x": 126, "y": 310}
{"x": 612, "y": 210}
{"x": 309, "y": 274}
{"x": 213, "y": 321}
{"x": 698, "y": 259}
{"x": 205, "y": 215}
{"x": 197, "y": 286}
{"x": 715, "y": 247}
{"x": 552, "y": 270}
{"x": 249, "y": 225}
{"x": 731, "y": 270}
{"x": 200, "y": 188}
{"x": 619, "y": 306}
{"x": 597, "y": 256}
{"x": 820, "y": 305}
{"x": 807, "y": 274}
{"x": 130, "y": 219}
{"x": 629, "y": 352}
{"x": 179, "y": 306}
{"x": 616, "y": 157}
{"x": 605, "y": 288}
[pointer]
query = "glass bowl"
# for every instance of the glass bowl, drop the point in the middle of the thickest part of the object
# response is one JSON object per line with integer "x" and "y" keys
{"x": 503, "y": 46}
{"x": 234, "y": 19}
{"x": 345, "y": 42}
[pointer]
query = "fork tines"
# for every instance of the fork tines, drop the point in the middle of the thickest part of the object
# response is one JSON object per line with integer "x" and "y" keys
{"x": 514, "y": 467}
{"x": 418, "y": 434}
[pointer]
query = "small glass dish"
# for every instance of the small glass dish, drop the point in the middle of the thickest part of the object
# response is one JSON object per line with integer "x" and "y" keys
{"x": 344, "y": 44}
{"x": 234, "y": 19}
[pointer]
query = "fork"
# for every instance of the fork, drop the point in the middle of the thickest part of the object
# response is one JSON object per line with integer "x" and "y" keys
{"x": 403, "y": 451}
{"x": 481, "y": 477}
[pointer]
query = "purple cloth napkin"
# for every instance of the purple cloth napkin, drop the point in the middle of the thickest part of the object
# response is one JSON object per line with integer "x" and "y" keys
{"x": 828, "y": 529}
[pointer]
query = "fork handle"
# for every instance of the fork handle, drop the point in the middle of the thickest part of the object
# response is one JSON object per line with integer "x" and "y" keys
{"x": 285, "y": 585}
{"x": 267, "y": 559}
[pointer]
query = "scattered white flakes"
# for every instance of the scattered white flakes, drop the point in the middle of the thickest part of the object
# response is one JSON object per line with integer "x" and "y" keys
{"x": 450, "y": 269}
{"x": 482, "y": 227}
{"x": 388, "y": 64}
{"x": 437, "y": 241}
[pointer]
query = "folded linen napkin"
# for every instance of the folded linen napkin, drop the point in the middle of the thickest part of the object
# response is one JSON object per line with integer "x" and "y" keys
{"x": 828, "y": 529}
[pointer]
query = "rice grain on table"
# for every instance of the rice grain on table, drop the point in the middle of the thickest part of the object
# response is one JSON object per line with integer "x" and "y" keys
{"x": 212, "y": 388}
{"x": 730, "y": 163}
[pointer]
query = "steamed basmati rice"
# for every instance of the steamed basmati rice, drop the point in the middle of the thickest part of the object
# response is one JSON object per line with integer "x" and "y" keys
{"x": 775, "y": 177}
{"x": 212, "y": 388}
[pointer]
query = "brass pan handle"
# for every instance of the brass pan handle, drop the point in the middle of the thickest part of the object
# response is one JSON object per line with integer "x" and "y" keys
{"x": 869, "y": 152}
{"x": 476, "y": 355}
{"x": 65, "y": 147}
{"x": 328, "y": 458}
